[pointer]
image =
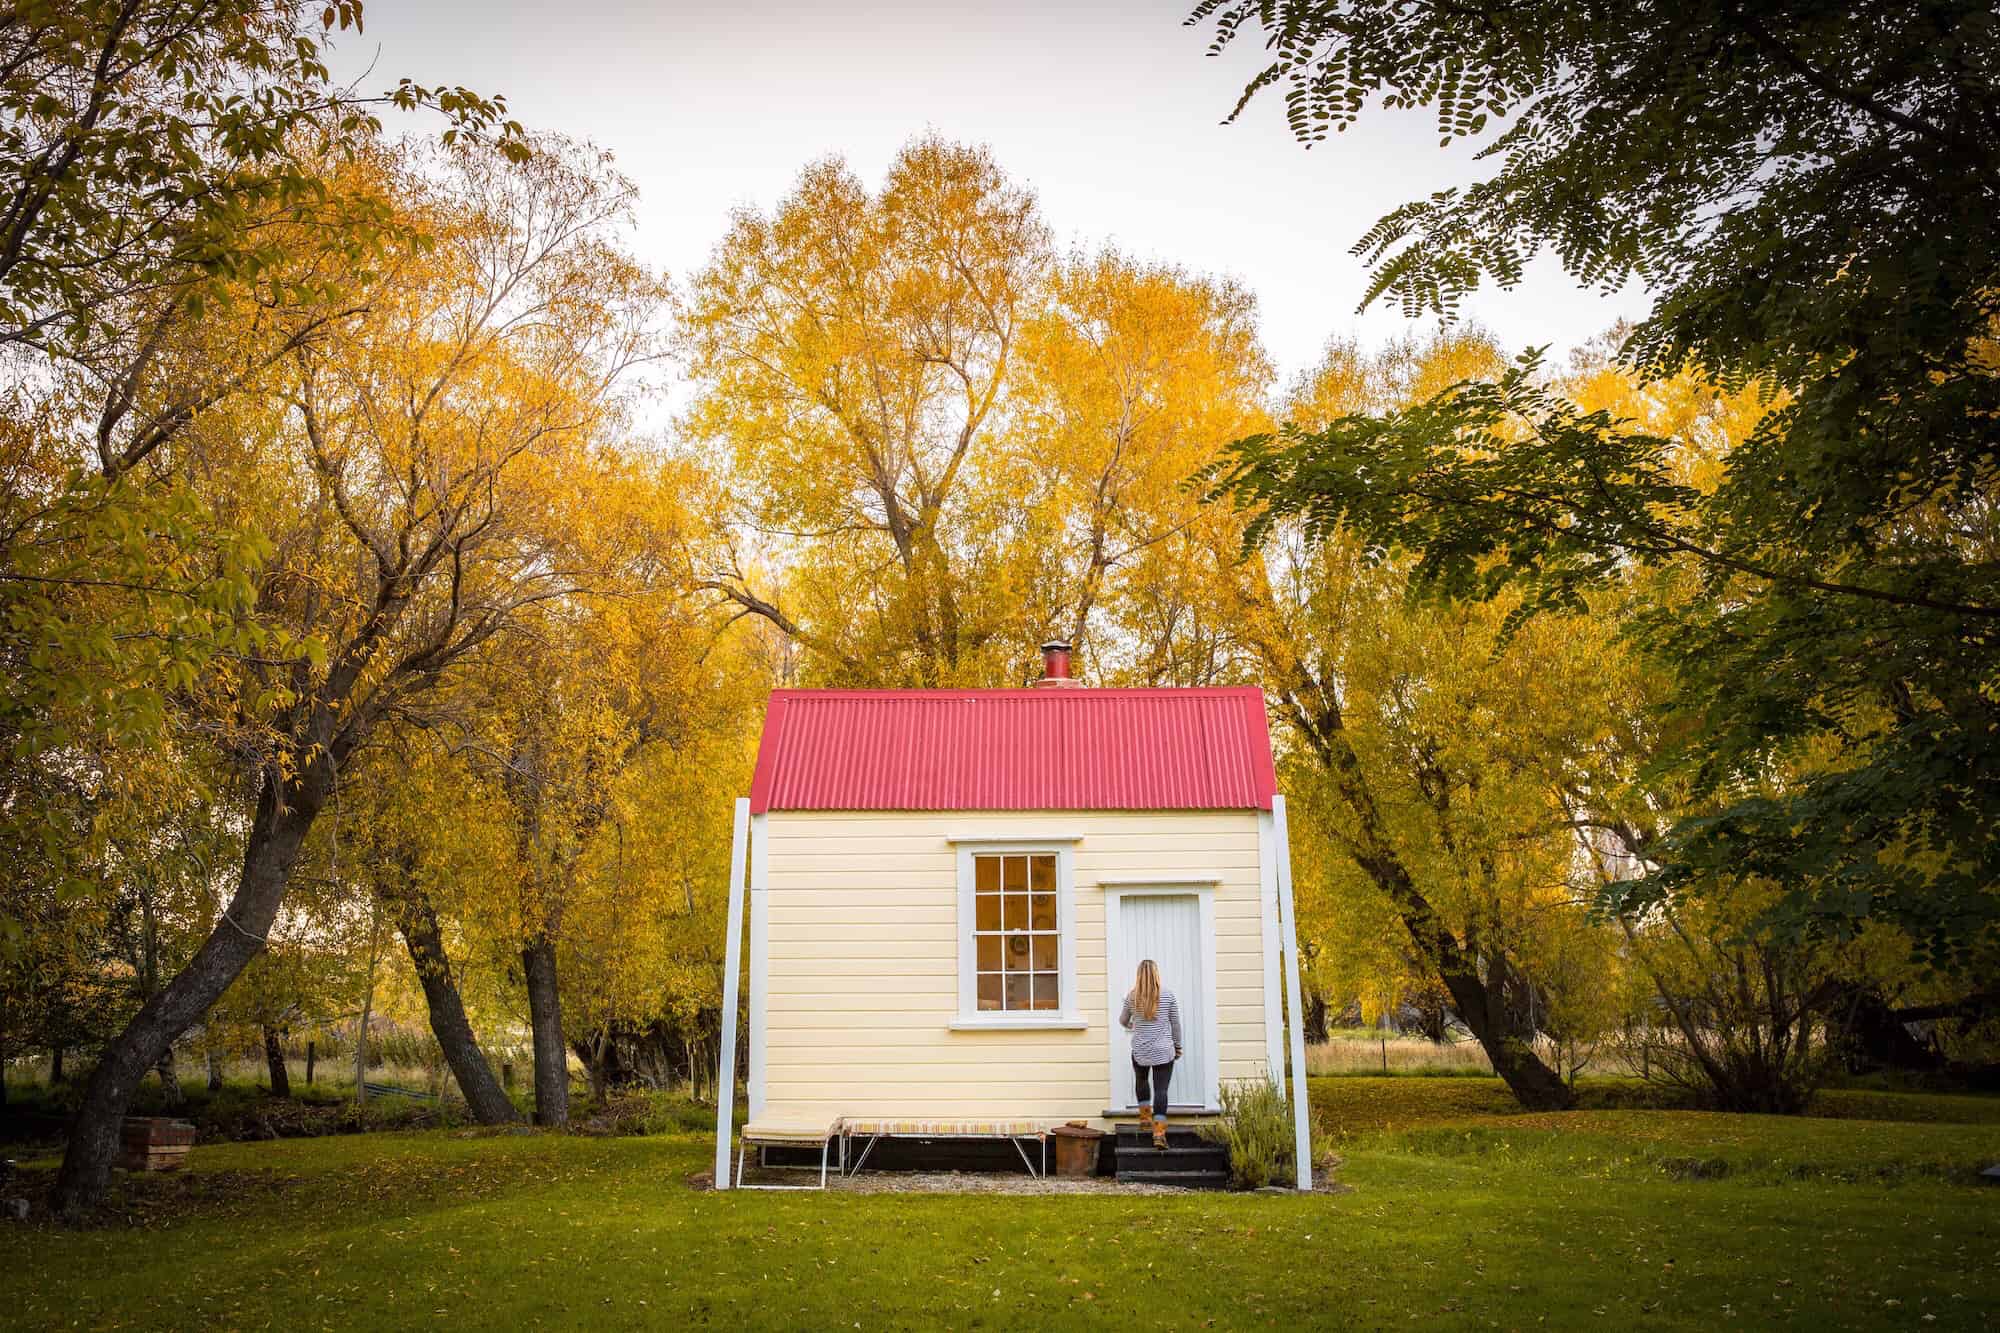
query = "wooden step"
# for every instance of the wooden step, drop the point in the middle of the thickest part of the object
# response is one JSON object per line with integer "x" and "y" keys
{"x": 1174, "y": 1152}
{"x": 1176, "y": 1138}
{"x": 1188, "y": 1180}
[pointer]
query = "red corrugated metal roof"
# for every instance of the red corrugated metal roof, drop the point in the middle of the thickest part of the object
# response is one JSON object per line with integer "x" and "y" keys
{"x": 1023, "y": 749}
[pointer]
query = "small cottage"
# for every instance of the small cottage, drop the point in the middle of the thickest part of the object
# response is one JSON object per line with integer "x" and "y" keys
{"x": 949, "y": 892}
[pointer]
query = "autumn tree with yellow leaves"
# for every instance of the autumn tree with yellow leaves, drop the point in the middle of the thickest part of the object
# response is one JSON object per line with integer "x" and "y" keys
{"x": 419, "y": 476}
{"x": 853, "y": 353}
{"x": 1130, "y": 376}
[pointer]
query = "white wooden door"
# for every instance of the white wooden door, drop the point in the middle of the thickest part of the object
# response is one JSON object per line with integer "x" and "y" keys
{"x": 1166, "y": 928}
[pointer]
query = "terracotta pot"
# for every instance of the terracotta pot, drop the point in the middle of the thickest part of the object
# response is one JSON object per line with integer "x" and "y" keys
{"x": 1076, "y": 1149}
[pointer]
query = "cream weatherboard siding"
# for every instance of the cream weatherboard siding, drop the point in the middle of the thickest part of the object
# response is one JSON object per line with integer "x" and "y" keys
{"x": 855, "y": 956}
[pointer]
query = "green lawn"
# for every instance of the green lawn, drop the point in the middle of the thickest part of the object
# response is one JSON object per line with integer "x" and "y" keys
{"x": 1458, "y": 1213}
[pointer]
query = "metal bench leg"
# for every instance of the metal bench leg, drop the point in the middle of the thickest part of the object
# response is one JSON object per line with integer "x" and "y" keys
{"x": 824, "y": 1149}
{"x": 741, "y": 1148}
{"x": 867, "y": 1148}
{"x": 1025, "y": 1160}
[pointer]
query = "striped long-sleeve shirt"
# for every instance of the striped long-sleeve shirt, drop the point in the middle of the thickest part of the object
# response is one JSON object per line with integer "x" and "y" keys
{"x": 1155, "y": 1039}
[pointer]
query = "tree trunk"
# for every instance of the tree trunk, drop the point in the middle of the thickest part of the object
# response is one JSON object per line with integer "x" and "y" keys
{"x": 367, "y": 1000}
{"x": 282, "y": 819}
{"x": 274, "y": 1061}
{"x": 170, "y": 1079}
{"x": 1432, "y": 1015}
{"x": 483, "y": 1095}
{"x": 149, "y": 984}
{"x": 538, "y": 961}
{"x": 312, "y": 1054}
{"x": 361, "y": 1043}
{"x": 1316, "y": 1028}
{"x": 55, "y": 1065}
{"x": 597, "y": 1069}
{"x": 1496, "y": 1008}
{"x": 1875, "y": 1037}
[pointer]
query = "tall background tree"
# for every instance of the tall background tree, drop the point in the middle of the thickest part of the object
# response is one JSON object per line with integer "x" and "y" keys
{"x": 1130, "y": 374}
{"x": 852, "y": 351}
{"x": 423, "y": 478}
{"x": 159, "y": 160}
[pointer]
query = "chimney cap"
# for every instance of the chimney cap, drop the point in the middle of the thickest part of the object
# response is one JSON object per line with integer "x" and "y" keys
{"x": 1056, "y": 646}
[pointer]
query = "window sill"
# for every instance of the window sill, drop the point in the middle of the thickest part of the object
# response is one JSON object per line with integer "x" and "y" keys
{"x": 1012, "y": 1023}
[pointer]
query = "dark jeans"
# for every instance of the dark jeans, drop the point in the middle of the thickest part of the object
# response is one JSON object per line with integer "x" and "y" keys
{"x": 1161, "y": 1076}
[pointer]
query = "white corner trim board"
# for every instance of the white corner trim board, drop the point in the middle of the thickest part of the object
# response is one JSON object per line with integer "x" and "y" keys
{"x": 725, "y": 1074}
{"x": 760, "y": 957}
{"x": 1301, "y": 1127}
{"x": 1267, "y": 912}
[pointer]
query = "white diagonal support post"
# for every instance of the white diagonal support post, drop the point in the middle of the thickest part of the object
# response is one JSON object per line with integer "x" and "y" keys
{"x": 1289, "y": 936}
{"x": 725, "y": 1076}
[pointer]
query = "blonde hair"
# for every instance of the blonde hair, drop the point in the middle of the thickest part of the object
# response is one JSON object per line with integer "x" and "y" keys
{"x": 1146, "y": 995}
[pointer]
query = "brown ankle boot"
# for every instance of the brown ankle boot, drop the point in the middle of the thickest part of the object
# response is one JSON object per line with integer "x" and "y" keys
{"x": 1145, "y": 1120}
{"x": 1160, "y": 1133}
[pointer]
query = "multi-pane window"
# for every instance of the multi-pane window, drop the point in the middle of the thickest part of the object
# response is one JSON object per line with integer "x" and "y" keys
{"x": 1017, "y": 932}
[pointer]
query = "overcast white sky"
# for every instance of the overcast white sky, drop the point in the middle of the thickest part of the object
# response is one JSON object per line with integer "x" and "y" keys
{"x": 1108, "y": 109}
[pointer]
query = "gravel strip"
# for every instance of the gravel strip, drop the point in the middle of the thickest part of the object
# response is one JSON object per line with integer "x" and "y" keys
{"x": 987, "y": 1182}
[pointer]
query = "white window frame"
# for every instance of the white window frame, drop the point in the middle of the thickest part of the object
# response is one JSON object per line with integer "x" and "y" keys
{"x": 970, "y": 1017}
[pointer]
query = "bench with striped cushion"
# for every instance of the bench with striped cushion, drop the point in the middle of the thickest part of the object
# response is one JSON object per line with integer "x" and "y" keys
{"x": 775, "y": 1133}
{"x": 922, "y": 1128}
{"x": 874, "y": 1128}
{"x": 789, "y": 1133}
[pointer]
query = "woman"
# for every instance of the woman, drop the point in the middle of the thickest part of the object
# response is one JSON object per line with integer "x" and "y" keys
{"x": 1154, "y": 1020}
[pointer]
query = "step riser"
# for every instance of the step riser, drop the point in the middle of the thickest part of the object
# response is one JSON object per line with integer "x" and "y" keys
{"x": 1151, "y": 1154}
{"x": 1177, "y": 1161}
{"x": 1173, "y": 1140}
{"x": 1179, "y": 1180}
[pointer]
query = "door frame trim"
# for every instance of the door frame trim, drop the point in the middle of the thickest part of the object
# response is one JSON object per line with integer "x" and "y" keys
{"x": 1202, "y": 890}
